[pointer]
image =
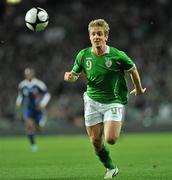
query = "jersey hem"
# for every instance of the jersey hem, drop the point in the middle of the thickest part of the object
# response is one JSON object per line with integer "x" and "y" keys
{"x": 109, "y": 102}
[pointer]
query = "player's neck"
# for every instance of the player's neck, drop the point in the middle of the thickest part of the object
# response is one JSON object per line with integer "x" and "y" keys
{"x": 99, "y": 51}
{"x": 29, "y": 79}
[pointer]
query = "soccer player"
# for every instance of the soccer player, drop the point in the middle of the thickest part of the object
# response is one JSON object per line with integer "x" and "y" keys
{"x": 33, "y": 96}
{"x": 107, "y": 92}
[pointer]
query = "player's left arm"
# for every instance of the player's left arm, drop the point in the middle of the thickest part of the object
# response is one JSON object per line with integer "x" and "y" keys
{"x": 46, "y": 98}
{"x": 128, "y": 65}
{"x": 135, "y": 77}
{"x": 46, "y": 95}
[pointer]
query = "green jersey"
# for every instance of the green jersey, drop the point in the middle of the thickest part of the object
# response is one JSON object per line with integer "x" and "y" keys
{"x": 105, "y": 74}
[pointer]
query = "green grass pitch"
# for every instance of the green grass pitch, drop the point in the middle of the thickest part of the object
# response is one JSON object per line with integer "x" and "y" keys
{"x": 138, "y": 156}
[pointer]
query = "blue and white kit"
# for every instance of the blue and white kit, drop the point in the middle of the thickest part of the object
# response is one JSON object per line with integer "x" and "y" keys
{"x": 33, "y": 95}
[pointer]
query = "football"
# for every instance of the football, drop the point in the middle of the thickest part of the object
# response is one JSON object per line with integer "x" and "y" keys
{"x": 36, "y": 19}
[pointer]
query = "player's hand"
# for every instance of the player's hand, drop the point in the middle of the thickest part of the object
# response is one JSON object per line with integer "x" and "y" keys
{"x": 68, "y": 76}
{"x": 18, "y": 106}
{"x": 138, "y": 92}
{"x": 18, "y": 116}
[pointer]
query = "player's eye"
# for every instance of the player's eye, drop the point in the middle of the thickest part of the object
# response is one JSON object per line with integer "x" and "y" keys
{"x": 96, "y": 34}
{"x": 99, "y": 33}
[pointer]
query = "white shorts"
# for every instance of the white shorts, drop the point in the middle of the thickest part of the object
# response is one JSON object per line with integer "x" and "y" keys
{"x": 96, "y": 112}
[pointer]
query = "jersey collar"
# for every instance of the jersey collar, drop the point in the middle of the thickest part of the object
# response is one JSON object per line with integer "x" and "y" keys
{"x": 32, "y": 80}
{"x": 106, "y": 52}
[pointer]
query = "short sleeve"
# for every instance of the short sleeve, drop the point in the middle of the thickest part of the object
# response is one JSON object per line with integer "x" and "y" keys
{"x": 77, "y": 67}
{"x": 126, "y": 62}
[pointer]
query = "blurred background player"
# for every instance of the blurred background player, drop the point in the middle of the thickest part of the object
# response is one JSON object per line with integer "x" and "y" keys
{"x": 107, "y": 91}
{"x": 33, "y": 96}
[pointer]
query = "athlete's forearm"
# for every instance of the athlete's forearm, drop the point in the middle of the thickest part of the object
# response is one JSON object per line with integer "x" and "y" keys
{"x": 19, "y": 100}
{"x": 136, "y": 80}
{"x": 45, "y": 100}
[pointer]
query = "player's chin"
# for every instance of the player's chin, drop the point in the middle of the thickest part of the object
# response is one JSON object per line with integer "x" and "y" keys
{"x": 97, "y": 45}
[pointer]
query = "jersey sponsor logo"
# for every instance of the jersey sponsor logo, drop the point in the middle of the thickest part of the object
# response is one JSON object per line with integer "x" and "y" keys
{"x": 88, "y": 63}
{"x": 108, "y": 62}
{"x": 88, "y": 58}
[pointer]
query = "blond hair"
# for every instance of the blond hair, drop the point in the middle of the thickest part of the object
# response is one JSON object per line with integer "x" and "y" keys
{"x": 101, "y": 23}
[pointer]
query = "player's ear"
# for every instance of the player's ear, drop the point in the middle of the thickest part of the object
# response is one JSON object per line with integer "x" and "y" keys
{"x": 106, "y": 37}
{"x": 89, "y": 35}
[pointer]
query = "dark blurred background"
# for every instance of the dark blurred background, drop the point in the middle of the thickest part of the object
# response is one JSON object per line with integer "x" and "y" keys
{"x": 141, "y": 28}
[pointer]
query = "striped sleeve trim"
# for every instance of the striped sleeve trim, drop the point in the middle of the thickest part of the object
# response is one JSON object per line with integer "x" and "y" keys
{"x": 131, "y": 68}
{"x": 77, "y": 74}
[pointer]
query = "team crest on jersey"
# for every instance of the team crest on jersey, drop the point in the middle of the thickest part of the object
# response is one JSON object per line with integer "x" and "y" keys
{"x": 108, "y": 63}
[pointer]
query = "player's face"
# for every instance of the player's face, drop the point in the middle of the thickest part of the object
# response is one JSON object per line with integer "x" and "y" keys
{"x": 29, "y": 74}
{"x": 98, "y": 37}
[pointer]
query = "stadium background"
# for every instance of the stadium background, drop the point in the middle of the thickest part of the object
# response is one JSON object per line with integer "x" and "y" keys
{"x": 141, "y": 28}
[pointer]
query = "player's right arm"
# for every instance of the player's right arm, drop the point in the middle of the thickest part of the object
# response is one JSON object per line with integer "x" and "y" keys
{"x": 70, "y": 76}
{"x": 18, "y": 107}
{"x": 19, "y": 99}
{"x": 73, "y": 75}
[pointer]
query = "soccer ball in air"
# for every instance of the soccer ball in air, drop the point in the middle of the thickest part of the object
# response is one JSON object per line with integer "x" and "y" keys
{"x": 36, "y": 19}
